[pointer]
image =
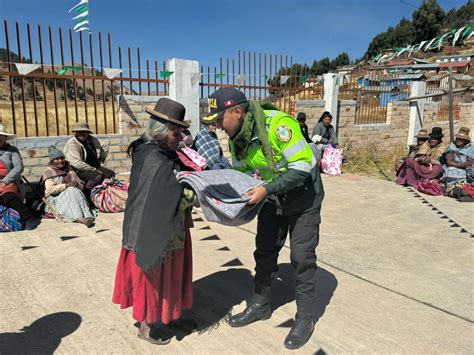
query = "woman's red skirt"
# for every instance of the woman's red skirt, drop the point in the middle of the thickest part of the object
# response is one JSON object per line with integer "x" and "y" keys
{"x": 159, "y": 295}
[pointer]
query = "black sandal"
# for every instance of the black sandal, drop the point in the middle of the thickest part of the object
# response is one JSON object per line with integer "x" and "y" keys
{"x": 153, "y": 335}
{"x": 184, "y": 325}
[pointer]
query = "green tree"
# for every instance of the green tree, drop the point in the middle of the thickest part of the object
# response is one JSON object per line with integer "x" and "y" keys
{"x": 458, "y": 18}
{"x": 428, "y": 21}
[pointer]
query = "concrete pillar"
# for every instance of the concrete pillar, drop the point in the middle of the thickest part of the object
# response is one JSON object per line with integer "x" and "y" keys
{"x": 184, "y": 88}
{"x": 417, "y": 107}
{"x": 331, "y": 92}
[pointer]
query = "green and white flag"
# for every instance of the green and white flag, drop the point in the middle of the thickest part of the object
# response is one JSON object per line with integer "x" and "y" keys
{"x": 82, "y": 18}
{"x": 241, "y": 78}
{"x": 27, "y": 68}
{"x": 429, "y": 44}
{"x": 457, "y": 35}
{"x": 284, "y": 79}
{"x": 439, "y": 42}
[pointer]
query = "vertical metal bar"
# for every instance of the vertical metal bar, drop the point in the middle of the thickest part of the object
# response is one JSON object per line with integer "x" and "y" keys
{"x": 220, "y": 68}
{"x": 101, "y": 58}
{"x": 130, "y": 69}
{"x": 286, "y": 98}
{"x": 208, "y": 81}
{"x": 239, "y": 61}
{"x": 56, "y": 111}
{"x": 64, "y": 81}
{"x": 91, "y": 49}
{"x": 25, "y": 119}
{"x": 215, "y": 80}
{"x": 121, "y": 74}
{"x": 245, "y": 82}
{"x": 227, "y": 70}
{"x": 451, "y": 104}
{"x": 40, "y": 36}
{"x": 260, "y": 75}
{"x": 112, "y": 84}
{"x": 233, "y": 71}
{"x": 12, "y": 98}
{"x": 156, "y": 77}
{"x": 139, "y": 72}
{"x": 255, "y": 74}
{"x": 250, "y": 76}
{"x": 165, "y": 85}
{"x": 202, "y": 87}
{"x": 265, "y": 74}
{"x": 74, "y": 80}
{"x": 148, "y": 75}
{"x": 35, "y": 106}
{"x": 83, "y": 73}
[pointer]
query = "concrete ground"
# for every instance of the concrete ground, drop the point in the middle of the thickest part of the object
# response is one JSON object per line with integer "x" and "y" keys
{"x": 395, "y": 276}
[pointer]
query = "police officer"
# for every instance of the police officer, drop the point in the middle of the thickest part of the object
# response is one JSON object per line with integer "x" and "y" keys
{"x": 270, "y": 142}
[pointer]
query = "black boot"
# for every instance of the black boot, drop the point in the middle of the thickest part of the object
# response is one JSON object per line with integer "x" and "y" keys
{"x": 300, "y": 332}
{"x": 257, "y": 309}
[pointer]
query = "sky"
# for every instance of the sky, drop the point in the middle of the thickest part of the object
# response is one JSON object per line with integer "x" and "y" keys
{"x": 206, "y": 30}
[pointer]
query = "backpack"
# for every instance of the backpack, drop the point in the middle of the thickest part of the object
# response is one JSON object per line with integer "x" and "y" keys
{"x": 9, "y": 220}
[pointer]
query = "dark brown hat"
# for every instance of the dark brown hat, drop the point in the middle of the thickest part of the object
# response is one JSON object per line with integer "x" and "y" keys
{"x": 436, "y": 133}
{"x": 169, "y": 110}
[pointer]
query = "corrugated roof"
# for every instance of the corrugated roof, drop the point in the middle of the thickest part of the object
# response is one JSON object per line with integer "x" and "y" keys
{"x": 454, "y": 64}
{"x": 456, "y": 56}
{"x": 411, "y": 76}
{"x": 400, "y": 62}
{"x": 462, "y": 77}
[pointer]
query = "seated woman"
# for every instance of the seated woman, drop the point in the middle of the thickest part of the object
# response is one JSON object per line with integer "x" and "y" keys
{"x": 11, "y": 168}
{"x": 459, "y": 165}
{"x": 63, "y": 191}
{"x": 324, "y": 135}
{"x": 414, "y": 170}
{"x": 421, "y": 138}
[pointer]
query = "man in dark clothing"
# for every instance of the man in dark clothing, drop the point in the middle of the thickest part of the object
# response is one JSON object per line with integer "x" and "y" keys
{"x": 207, "y": 144}
{"x": 265, "y": 139}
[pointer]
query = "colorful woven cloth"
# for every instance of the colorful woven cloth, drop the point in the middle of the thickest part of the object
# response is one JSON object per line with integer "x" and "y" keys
{"x": 9, "y": 220}
{"x": 110, "y": 196}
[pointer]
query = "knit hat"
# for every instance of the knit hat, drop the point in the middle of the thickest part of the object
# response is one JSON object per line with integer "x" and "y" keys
{"x": 54, "y": 153}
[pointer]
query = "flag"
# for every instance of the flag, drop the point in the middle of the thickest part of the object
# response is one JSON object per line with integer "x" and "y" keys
{"x": 69, "y": 67}
{"x": 303, "y": 79}
{"x": 111, "y": 72}
{"x": 457, "y": 35}
{"x": 429, "y": 44}
{"x": 284, "y": 79}
{"x": 82, "y": 18}
{"x": 24, "y": 69}
{"x": 241, "y": 78}
{"x": 166, "y": 74}
{"x": 220, "y": 75}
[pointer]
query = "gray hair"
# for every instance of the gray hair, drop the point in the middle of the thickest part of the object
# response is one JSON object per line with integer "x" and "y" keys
{"x": 155, "y": 131}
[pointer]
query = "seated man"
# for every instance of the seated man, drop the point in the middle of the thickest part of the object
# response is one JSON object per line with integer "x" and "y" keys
{"x": 459, "y": 168}
{"x": 87, "y": 155}
{"x": 207, "y": 144}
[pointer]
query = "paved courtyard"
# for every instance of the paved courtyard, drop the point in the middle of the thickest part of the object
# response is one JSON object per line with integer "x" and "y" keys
{"x": 395, "y": 276}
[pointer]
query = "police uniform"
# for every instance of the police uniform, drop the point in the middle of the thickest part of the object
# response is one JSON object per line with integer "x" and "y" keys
{"x": 275, "y": 147}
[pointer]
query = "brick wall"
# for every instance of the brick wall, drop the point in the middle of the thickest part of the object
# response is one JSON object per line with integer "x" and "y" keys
{"x": 132, "y": 118}
{"x": 430, "y": 118}
{"x": 313, "y": 110}
{"x": 34, "y": 152}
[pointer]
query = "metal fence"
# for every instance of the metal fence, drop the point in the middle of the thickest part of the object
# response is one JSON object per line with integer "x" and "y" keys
{"x": 263, "y": 76}
{"x": 72, "y": 86}
{"x": 374, "y": 90}
{"x": 440, "y": 85}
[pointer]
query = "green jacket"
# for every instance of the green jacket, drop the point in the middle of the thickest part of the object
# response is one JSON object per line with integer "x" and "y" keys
{"x": 271, "y": 142}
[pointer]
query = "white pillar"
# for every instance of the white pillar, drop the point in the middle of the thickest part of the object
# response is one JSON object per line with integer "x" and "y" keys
{"x": 418, "y": 88}
{"x": 331, "y": 92}
{"x": 184, "y": 88}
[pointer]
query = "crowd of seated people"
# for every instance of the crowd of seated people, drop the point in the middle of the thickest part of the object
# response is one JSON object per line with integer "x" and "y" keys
{"x": 66, "y": 181}
{"x": 436, "y": 168}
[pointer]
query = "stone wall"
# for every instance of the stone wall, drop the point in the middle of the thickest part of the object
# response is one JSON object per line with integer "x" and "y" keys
{"x": 313, "y": 110}
{"x": 430, "y": 118}
{"x": 34, "y": 152}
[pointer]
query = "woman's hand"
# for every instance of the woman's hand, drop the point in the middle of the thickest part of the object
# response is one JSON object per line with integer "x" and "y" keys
{"x": 257, "y": 194}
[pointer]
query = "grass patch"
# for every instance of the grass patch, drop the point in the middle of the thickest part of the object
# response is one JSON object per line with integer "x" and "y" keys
{"x": 370, "y": 162}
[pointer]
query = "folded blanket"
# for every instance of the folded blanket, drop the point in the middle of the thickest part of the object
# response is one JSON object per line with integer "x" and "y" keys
{"x": 221, "y": 194}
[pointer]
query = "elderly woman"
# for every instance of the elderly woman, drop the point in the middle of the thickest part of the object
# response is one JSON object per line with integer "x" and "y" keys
{"x": 459, "y": 167}
{"x": 154, "y": 271}
{"x": 11, "y": 168}
{"x": 414, "y": 170}
{"x": 63, "y": 191}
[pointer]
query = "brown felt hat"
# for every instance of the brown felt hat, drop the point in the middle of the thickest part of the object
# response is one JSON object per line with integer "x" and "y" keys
{"x": 169, "y": 110}
{"x": 423, "y": 133}
{"x": 82, "y": 127}
{"x": 463, "y": 133}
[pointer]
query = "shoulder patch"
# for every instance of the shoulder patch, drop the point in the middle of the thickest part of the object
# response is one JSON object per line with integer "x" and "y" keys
{"x": 283, "y": 133}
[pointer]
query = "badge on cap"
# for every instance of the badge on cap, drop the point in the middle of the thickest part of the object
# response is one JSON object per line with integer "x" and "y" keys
{"x": 283, "y": 133}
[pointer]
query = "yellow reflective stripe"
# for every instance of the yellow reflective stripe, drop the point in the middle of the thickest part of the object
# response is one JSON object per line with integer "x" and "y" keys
{"x": 301, "y": 166}
{"x": 271, "y": 113}
{"x": 294, "y": 149}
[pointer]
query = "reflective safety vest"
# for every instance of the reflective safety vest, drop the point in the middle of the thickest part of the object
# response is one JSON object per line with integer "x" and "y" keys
{"x": 288, "y": 146}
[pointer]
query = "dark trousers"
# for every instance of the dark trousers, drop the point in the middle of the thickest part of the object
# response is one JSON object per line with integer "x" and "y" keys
{"x": 12, "y": 200}
{"x": 272, "y": 230}
{"x": 93, "y": 174}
